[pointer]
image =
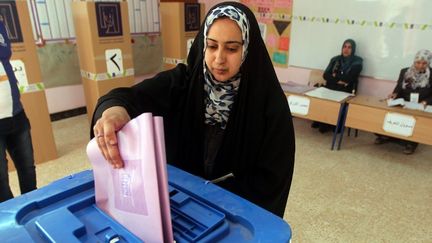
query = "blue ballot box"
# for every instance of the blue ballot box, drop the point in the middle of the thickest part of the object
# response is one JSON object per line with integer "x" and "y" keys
{"x": 65, "y": 211}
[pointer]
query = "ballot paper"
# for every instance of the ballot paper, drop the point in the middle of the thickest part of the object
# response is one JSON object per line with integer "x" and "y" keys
{"x": 328, "y": 94}
{"x": 136, "y": 195}
{"x": 406, "y": 104}
{"x": 414, "y": 106}
{"x": 395, "y": 102}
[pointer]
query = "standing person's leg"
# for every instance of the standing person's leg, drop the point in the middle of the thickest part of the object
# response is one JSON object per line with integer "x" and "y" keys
{"x": 20, "y": 149}
{"x": 5, "y": 191}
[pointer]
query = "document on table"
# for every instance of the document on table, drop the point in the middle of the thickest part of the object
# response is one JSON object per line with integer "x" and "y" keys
{"x": 395, "y": 102}
{"x": 328, "y": 94}
{"x": 295, "y": 87}
{"x": 408, "y": 105}
{"x": 414, "y": 106}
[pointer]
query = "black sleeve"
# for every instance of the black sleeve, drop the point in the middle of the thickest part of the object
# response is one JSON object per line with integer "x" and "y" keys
{"x": 5, "y": 47}
{"x": 351, "y": 78}
{"x": 398, "y": 87}
{"x": 269, "y": 180}
{"x": 425, "y": 93}
{"x": 428, "y": 100}
{"x": 328, "y": 74}
{"x": 157, "y": 95}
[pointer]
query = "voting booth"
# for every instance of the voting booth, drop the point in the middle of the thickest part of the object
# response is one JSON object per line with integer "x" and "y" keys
{"x": 104, "y": 47}
{"x": 26, "y": 67}
{"x": 180, "y": 23}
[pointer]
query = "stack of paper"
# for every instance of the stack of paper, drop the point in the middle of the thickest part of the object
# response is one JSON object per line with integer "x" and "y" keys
{"x": 136, "y": 195}
{"x": 395, "y": 102}
{"x": 408, "y": 104}
{"x": 328, "y": 94}
{"x": 295, "y": 87}
{"x": 414, "y": 106}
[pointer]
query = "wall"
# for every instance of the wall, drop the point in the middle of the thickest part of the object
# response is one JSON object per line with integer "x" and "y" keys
{"x": 61, "y": 71}
{"x": 367, "y": 85}
{"x": 387, "y": 35}
{"x": 72, "y": 96}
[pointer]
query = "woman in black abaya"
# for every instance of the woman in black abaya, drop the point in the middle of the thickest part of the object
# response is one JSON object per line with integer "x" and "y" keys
{"x": 224, "y": 112}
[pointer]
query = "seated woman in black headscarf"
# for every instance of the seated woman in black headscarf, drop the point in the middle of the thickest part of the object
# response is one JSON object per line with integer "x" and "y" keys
{"x": 224, "y": 112}
{"x": 342, "y": 74}
{"x": 414, "y": 81}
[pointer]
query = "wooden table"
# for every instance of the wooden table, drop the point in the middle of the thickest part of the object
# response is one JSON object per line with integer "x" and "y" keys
{"x": 369, "y": 113}
{"x": 322, "y": 110}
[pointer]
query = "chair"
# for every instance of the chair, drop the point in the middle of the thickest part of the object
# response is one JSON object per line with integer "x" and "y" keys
{"x": 316, "y": 78}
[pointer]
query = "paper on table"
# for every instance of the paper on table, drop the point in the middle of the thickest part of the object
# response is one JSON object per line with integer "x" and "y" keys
{"x": 395, "y": 102}
{"x": 328, "y": 94}
{"x": 293, "y": 87}
{"x": 428, "y": 108}
{"x": 414, "y": 106}
{"x": 135, "y": 195}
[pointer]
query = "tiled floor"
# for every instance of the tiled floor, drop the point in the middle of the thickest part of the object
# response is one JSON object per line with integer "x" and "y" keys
{"x": 362, "y": 193}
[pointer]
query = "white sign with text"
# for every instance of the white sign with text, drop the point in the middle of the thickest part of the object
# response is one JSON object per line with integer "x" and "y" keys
{"x": 399, "y": 124}
{"x": 299, "y": 104}
{"x": 19, "y": 71}
{"x": 114, "y": 62}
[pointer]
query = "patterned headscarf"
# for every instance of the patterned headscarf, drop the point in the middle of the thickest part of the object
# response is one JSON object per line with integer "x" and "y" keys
{"x": 413, "y": 78}
{"x": 219, "y": 96}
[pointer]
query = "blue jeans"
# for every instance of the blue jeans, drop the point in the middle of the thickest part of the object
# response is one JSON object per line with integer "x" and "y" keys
{"x": 19, "y": 145}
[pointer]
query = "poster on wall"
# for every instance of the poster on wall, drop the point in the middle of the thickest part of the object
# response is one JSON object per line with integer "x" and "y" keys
{"x": 274, "y": 19}
{"x": 9, "y": 17}
{"x": 192, "y": 16}
{"x": 108, "y": 17}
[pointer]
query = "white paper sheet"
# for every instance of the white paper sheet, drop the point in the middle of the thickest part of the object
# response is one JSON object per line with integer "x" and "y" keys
{"x": 328, "y": 94}
{"x": 296, "y": 88}
{"x": 395, "y": 102}
{"x": 399, "y": 124}
{"x": 299, "y": 104}
{"x": 414, "y": 106}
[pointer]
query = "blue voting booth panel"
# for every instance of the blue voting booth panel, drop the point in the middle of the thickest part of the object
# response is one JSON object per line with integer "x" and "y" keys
{"x": 65, "y": 211}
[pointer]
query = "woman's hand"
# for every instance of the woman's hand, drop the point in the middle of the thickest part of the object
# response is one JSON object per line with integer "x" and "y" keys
{"x": 112, "y": 120}
{"x": 392, "y": 96}
{"x": 340, "y": 82}
{"x": 424, "y": 103}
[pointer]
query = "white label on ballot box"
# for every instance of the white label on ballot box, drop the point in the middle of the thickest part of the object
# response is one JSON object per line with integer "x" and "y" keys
{"x": 399, "y": 124}
{"x": 299, "y": 104}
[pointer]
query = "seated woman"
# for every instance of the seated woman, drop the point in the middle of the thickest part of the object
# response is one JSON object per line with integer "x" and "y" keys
{"x": 413, "y": 81}
{"x": 342, "y": 74}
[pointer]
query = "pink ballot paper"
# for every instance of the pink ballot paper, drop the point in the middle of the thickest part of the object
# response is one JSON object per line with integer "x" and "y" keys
{"x": 137, "y": 194}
